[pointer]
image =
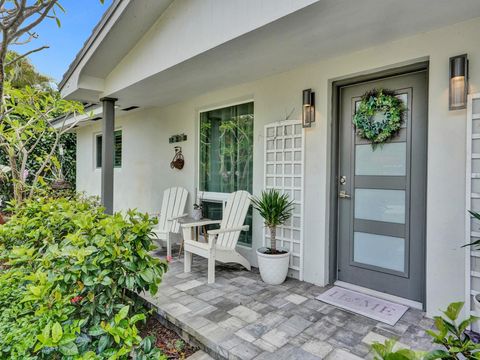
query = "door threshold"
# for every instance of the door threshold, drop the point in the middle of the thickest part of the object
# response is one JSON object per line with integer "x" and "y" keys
{"x": 397, "y": 299}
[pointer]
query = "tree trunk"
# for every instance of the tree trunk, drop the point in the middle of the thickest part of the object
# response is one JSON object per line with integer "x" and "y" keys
{"x": 273, "y": 239}
{"x": 2, "y": 79}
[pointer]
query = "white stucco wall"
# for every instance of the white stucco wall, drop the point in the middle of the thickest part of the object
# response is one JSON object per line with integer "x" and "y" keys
{"x": 146, "y": 172}
{"x": 175, "y": 37}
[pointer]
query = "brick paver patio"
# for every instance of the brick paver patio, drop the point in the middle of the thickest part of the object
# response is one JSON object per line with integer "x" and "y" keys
{"x": 240, "y": 317}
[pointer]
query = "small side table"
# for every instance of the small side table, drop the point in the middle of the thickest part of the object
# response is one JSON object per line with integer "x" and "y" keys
{"x": 191, "y": 229}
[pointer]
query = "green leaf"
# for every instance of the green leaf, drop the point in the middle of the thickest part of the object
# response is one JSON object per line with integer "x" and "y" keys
{"x": 107, "y": 281}
{"x": 147, "y": 344}
{"x": 69, "y": 349}
{"x": 453, "y": 310}
{"x": 57, "y": 332}
{"x": 147, "y": 275}
{"x": 96, "y": 330}
{"x": 436, "y": 354}
{"x": 103, "y": 343}
{"x": 130, "y": 282}
{"x": 122, "y": 314}
{"x": 136, "y": 318}
{"x": 67, "y": 338}
{"x": 46, "y": 333}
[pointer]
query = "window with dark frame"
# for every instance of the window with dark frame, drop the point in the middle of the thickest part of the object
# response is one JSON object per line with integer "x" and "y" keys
{"x": 226, "y": 157}
{"x": 118, "y": 150}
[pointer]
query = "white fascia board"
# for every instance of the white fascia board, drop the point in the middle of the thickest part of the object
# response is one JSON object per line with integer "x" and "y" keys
{"x": 79, "y": 120}
{"x": 70, "y": 81}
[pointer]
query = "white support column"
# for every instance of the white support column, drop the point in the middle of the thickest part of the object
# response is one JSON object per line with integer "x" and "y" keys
{"x": 108, "y": 153}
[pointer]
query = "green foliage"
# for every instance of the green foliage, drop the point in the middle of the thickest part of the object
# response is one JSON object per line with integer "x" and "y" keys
{"x": 67, "y": 162}
{"x": 28, "y": 141}
{"x": 22, "y": 76}
{"x": 21, "y": 73}
{"x": 68, "y": 270}
{"x": 450, "y": 334}
{"x": 375, "y": 101}
{"x": 387, "y": 352}
{"x": 275, "y": 209}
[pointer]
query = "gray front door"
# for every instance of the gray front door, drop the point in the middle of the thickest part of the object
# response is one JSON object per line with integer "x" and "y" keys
{"x": 382, "y": 193}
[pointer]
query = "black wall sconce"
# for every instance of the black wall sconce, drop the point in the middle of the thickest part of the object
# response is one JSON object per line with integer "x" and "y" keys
{"x": 458, "y": 87}
{"x": 308, "y": 108}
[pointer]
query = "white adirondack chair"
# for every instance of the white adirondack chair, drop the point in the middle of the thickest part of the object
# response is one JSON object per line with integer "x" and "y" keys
{"x": 221, "y": 242}
{"x": 173, "y": 208}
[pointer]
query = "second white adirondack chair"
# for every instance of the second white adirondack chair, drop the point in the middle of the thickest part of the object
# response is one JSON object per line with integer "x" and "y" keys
{"x": 221, "y": 242}
{"x": 173, "y": 208}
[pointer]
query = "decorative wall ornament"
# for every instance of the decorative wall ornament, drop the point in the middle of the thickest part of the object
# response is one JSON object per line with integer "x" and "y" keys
{"x": 379, "y": 116}
{"x": 178, "y": 162}
{"x": 177, "y": 138}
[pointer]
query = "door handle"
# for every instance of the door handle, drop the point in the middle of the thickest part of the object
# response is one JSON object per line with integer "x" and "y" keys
{"x": 343, "y": 195}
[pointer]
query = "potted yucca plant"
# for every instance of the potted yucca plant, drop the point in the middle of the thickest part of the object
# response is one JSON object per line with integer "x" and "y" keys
{"x": 275, "y": 209}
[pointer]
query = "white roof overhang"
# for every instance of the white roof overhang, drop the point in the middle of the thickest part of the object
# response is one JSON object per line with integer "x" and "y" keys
{"x": 138, "y": 73}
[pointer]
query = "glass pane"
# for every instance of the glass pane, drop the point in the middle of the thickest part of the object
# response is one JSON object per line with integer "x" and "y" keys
{"x": 214, "y": 210}
{"x": 386, "y": 160}
{"x": 226, "y": 149}
{"x": 380, "y": 205}
{"x": 118, "y": 148}
{"x": 117, "y": 151}
{"x": 99, "y": 151}
{"x": 378, "y": 250}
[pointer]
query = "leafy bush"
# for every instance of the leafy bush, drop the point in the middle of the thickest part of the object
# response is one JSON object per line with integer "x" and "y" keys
{"x": 451, "y": 335}
{"x": 387, "y": 351}
{"x": 68, "y": 162}
{"x": 66, "y": 273}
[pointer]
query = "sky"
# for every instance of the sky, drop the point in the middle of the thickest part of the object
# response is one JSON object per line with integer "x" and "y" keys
{"x": 77, "y": 23}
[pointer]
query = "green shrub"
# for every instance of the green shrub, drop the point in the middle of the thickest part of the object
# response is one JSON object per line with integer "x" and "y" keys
{"x": 450, "y": 335}
{"x": 66, "y": 276}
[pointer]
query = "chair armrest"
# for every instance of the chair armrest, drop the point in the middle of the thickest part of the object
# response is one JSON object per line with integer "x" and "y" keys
{"x": 222, "y": 231}
{"x": 177, "y": 217}
{"x": 201, "y": 223}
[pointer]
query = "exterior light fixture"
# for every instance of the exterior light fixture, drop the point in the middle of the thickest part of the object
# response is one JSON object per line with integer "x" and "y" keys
{"x": 458, "y": 89}
{"x": 308, "y": 109}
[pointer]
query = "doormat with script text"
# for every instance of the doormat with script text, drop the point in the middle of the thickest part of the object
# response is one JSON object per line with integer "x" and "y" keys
{"x": 362, "y": 304}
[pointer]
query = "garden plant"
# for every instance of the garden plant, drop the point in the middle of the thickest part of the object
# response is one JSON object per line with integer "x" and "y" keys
{"x": 454, "y": 341}
{"x": 68, "y": 273}
{"x": 275, "y": 209}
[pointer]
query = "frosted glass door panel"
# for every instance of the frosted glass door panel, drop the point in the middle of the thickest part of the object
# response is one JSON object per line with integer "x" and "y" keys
{"x": 378, "y": 250}
{"x": 386, "y": 160}
{"x": 380, "y": 205}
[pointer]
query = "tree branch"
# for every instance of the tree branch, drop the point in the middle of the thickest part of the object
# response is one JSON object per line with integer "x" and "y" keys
{"x": 27, "y": 54}
{"x": 43, "y": 15}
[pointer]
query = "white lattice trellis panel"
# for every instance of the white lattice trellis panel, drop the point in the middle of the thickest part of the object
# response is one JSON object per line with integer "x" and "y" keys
{"x": 284, "y": 171}
{"x": 472, "y": 226}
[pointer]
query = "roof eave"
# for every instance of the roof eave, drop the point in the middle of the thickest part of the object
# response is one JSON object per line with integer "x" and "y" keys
{"x": 107, "y": 17}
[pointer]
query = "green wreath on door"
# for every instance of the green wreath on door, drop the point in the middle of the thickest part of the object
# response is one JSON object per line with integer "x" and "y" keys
{"x": 379, "y": 101}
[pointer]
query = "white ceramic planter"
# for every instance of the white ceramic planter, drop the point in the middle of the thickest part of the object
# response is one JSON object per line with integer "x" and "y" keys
{"x": 273, "y": 268}
{"x": 476, "y": 307}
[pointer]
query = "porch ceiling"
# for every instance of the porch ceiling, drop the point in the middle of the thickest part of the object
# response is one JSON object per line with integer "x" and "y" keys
{"x": 322, "y": 30}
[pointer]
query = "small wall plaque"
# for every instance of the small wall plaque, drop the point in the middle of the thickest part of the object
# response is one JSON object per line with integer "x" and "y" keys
{"x": 177, "y": 138}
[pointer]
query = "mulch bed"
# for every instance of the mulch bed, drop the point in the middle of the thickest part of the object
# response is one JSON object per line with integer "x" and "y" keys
{"x": 172, "y": 345}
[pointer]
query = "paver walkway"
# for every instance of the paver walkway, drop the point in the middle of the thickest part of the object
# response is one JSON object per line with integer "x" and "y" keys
{"x": 240, "y": 317}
